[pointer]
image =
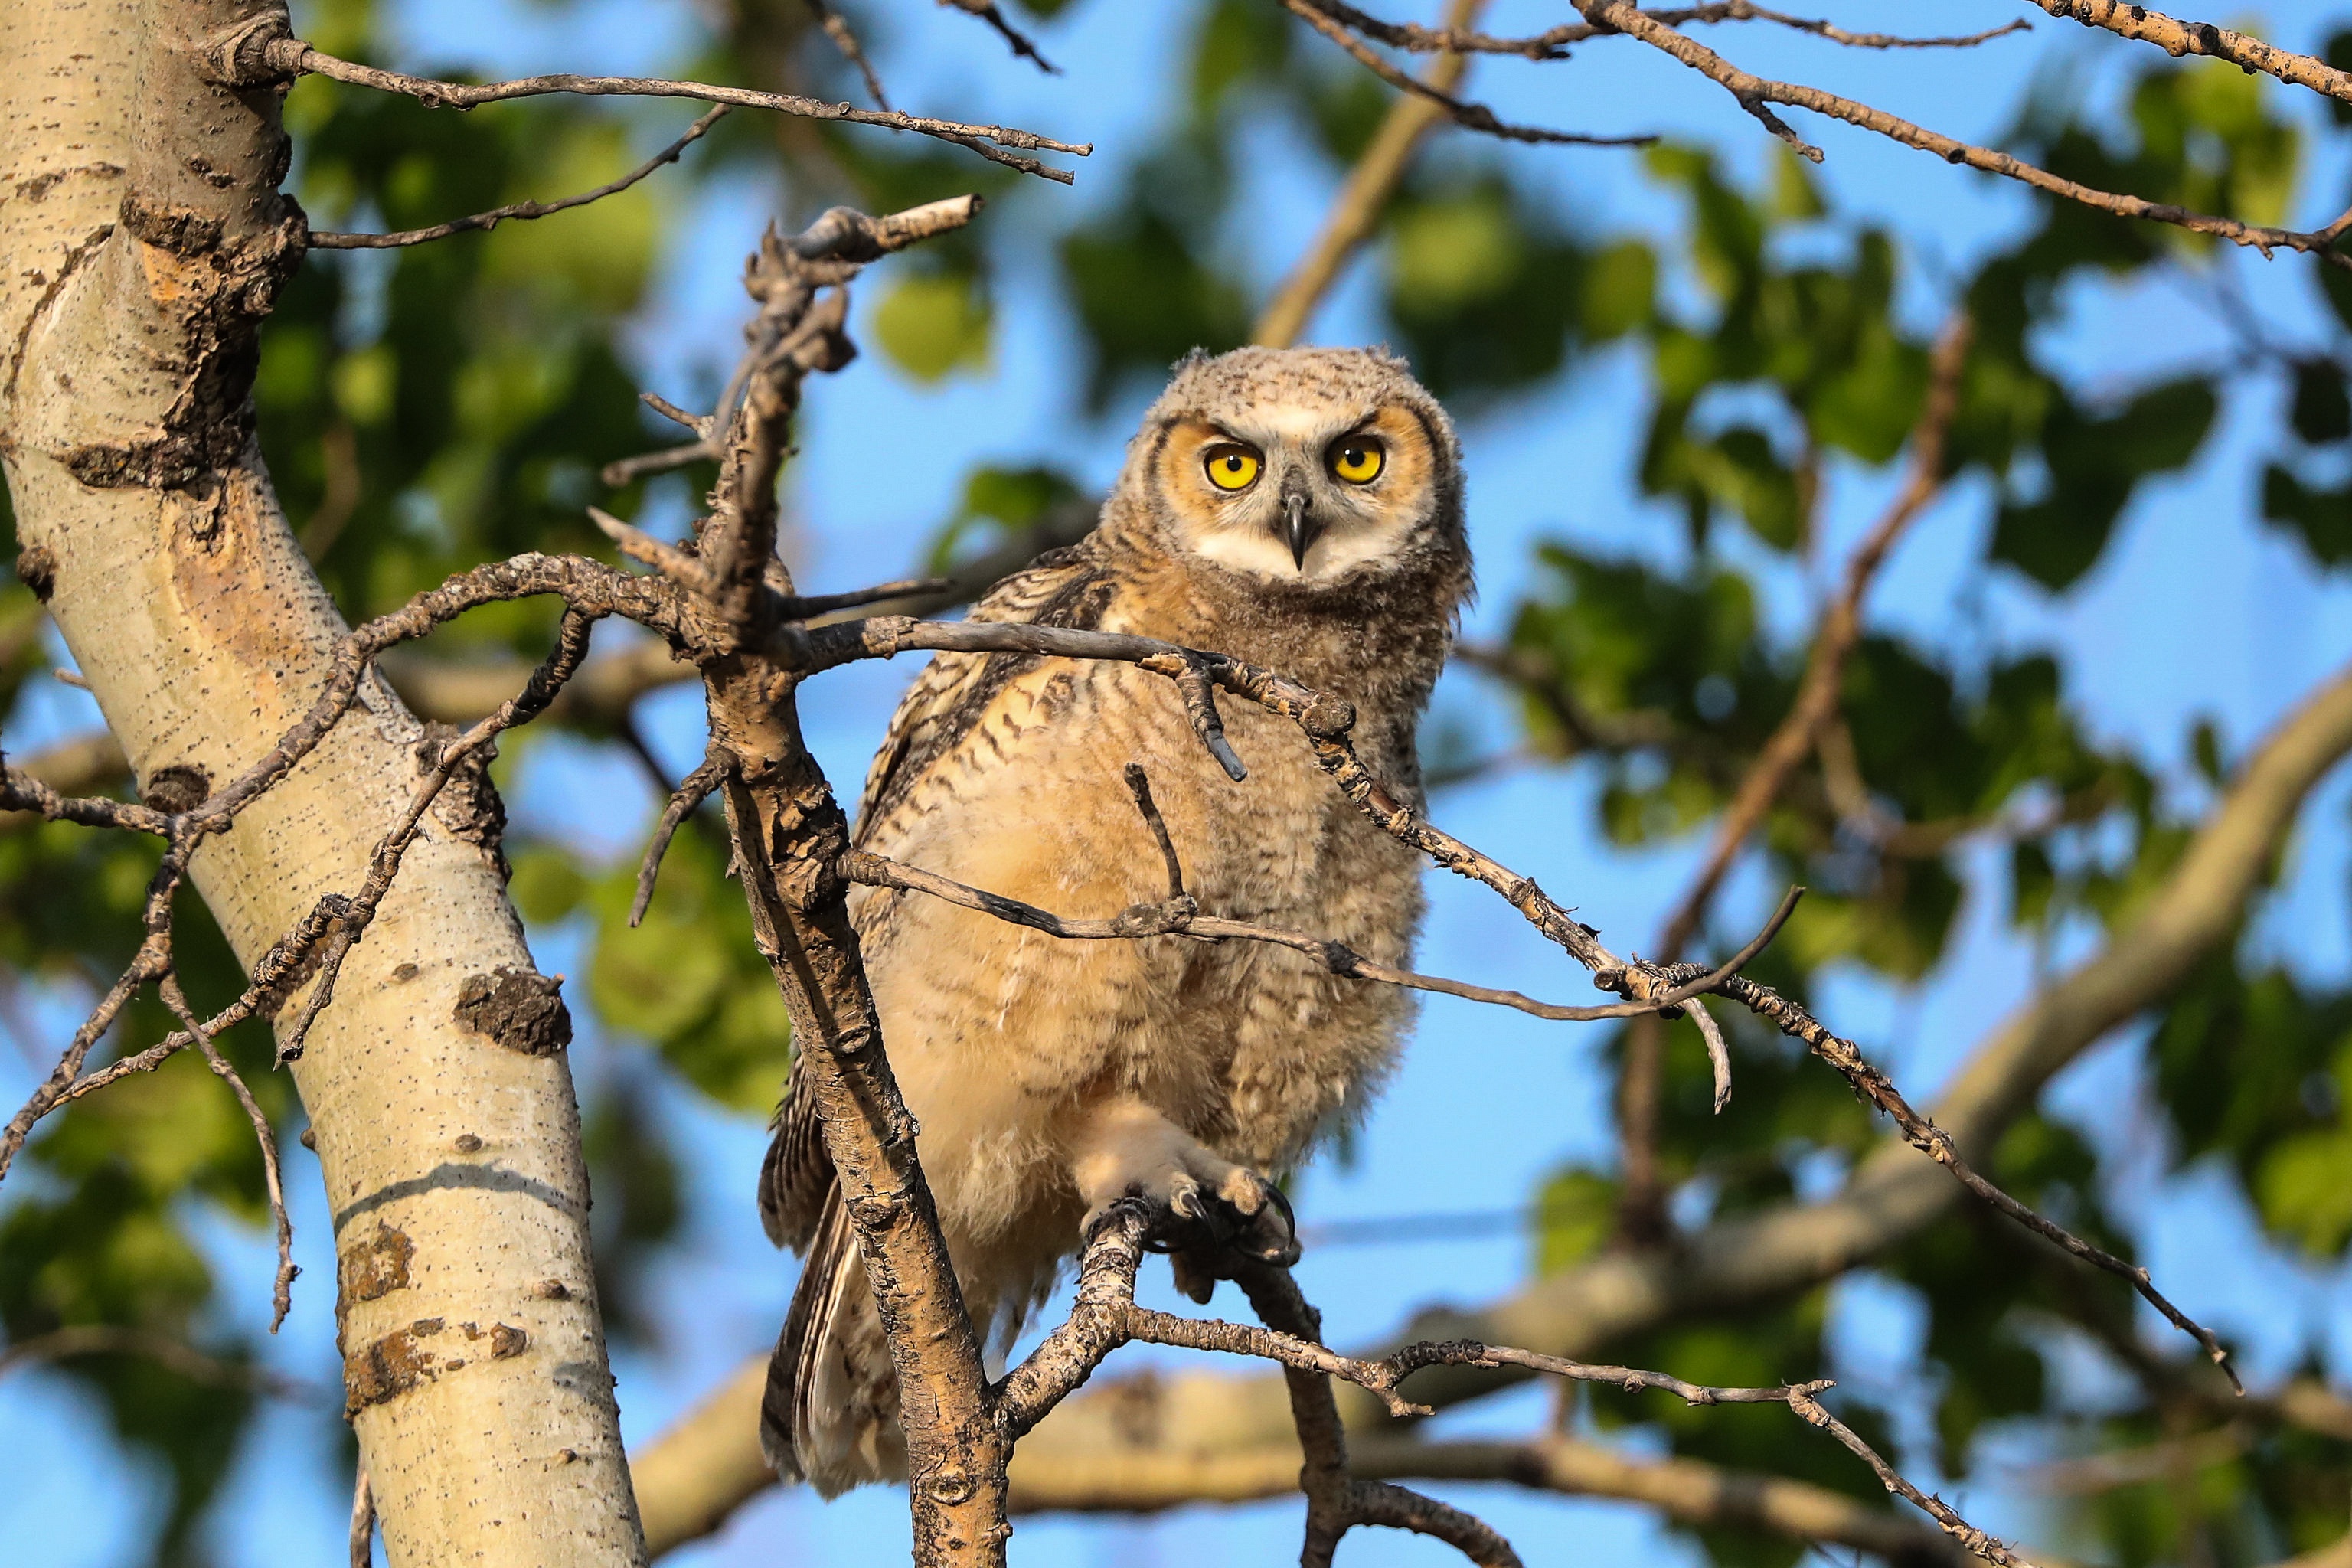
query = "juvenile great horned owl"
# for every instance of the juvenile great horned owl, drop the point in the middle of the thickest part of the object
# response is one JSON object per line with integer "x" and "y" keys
{"x": 1299, "y": 509}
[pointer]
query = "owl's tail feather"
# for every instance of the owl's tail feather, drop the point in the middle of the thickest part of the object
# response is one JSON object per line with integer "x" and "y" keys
{"x": 830, "y": 1414}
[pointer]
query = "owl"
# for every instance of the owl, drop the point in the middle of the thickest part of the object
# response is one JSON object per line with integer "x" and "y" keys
{"x": 1299, "y": 509}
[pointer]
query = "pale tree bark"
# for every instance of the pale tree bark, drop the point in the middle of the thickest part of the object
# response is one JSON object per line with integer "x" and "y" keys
{"x": 145, "y": 240}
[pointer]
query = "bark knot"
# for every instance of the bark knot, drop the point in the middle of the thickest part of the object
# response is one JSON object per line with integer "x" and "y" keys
{"x": 175, "y": 788}
{"x": 36, "y": 568}
{"x": 469, "y": 805}
{"x": 378, "y": 1266}
{"x": 519, "y": 1008}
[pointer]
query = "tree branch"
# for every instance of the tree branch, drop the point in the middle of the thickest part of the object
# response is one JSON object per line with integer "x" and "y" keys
{"x": 257, "y": 61}
{"x": 1641, "y": 1200}
{"x": 1316, "y": 15}
{"x": 1756, "y": 94}
{"x": 2177, "y": 38}
{"x": 1356, "y": 210}
{"x": 519, "y": 211}
{"x": 1890, "y": 1197}
{"x": 1549, "y": 45}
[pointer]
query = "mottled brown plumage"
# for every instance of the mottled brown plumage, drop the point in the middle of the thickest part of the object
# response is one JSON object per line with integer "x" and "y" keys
{"x": 1051, "y": 1077}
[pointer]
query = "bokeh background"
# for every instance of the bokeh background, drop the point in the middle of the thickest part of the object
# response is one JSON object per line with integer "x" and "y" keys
{"x": 1685, "y": 378}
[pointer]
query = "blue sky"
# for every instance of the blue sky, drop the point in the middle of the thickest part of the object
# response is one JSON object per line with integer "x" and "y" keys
{"x": 2199, "y": 609}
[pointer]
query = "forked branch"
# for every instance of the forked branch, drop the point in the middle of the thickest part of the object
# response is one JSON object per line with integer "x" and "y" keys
{"x": 262, "y": 52}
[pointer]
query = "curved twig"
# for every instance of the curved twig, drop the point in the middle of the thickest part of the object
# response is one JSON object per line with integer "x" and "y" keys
{"x": 691, "y": 791}
{"x": 1469, "y": 116}
{"x": 286, "y": 55}
{"x": 521, "y": 212}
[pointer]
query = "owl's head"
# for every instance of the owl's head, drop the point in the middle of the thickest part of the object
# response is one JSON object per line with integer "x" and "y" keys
{"x": 1305, "y": 467}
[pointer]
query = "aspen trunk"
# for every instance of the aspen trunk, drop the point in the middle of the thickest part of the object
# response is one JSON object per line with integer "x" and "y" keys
{"x": 144, "y": 239}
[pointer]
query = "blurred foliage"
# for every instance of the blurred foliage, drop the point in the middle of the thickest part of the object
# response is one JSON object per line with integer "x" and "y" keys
{"x": 426, "y": 408}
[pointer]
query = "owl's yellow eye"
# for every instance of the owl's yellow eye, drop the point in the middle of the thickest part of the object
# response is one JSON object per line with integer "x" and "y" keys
{"x": 1357, "y": 459}
{"x": 1231, "y": 466}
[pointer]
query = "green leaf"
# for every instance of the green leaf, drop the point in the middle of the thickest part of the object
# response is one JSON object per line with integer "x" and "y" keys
{"x": 2321, "y": 413}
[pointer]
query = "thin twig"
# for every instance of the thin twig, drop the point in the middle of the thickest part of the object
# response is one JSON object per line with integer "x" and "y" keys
{"x": 151, "y": 961}
{"x": 177, "y": 1355}
{"x": 286, "y": 57}
{"x": 836, "y": 27}
{"x": 1138, "y": 784}
{"x": 626, "y": 470}
{"x": 281, "y": 1291}
{"x": 20, "y": 791}
{"x": 1326, "y": 721}
{"x": 1755, "y": 94}
{"x": 1549, "y": 45}
{"x": 521, "y": 211}
{"x": 362, "y": 1530}
{"x": 1179, "y": 916}
{"x": 1469, "y": 116}
{"x": 691, "y": 791}
{"x": 2177, "y": 38}
{"x": 1364, "y": 197}
{"x": 1816, "y": 702}
{"x": 1814, "y": 708}
{"x": 808, "y": 606}
{"x": 1015, "y": 39}
{"x": 676, "y": 564}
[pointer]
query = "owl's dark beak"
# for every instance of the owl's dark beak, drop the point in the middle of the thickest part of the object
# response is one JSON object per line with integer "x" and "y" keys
{"x": 1299, "y": 530}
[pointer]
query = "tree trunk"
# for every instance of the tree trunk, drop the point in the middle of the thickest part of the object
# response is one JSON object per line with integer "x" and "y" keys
{"x": 144, "y": 239}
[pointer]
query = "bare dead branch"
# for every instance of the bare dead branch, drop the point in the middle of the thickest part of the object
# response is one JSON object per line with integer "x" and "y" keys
{"x": 277, "y": 968}
{"x": 699, "y": 423}
{"x": 1179, "y": 916}
{"x": 1365, "y": 193}
{"x": 281, "y": 1292}
{"x": 691, "y": 791}
{"x": 808, "y": 606}
{"x": 1316, "y": 15}
{"x": 643, "y": 547}
{"x": 625, "y": 470}
{"x": 2177, "y": 38}
{"x": 1932, "y": 1140}
{"x": 153, "y": 960}
{"x": 1015, "y": 39}
{"x": 363, "y": 1529}
{"x": 1756, "y": 94}
{"x": 1814, "y": 708}
{"x": 521, "y": 211}
{"x": 836, "y": 27}
{"x": 1326, "y": 721}
{"x": 283, "y": 56}
{"x": 788, "y": 830}
{"x": 177, "y": 1355}
{"x": 20, "y": 791}
{"x": 1841, "y": 631}
{"x": 1549, "y": 45}
{"x": 1742, "y": 11}
{"x": 1138, "y": 784}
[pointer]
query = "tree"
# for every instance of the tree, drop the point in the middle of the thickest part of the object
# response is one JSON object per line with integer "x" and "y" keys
{"x": 343, "y": 850}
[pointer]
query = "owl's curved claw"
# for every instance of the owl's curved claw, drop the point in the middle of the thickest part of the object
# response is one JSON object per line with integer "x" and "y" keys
{"x": 1205, "y": 1231}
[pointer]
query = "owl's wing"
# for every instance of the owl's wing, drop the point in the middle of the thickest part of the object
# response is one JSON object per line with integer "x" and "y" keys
{"x": 1063, "y": 587}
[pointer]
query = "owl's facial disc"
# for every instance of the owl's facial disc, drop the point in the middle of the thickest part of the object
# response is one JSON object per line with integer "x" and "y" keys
{"x": 1298, "y": 493}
